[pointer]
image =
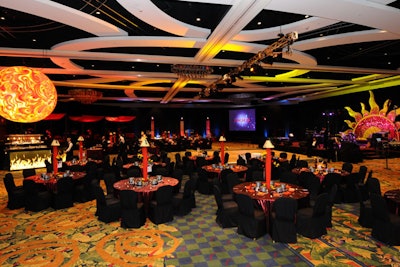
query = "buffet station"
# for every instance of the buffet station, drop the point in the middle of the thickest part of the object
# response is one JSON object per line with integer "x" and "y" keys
{"x": 25, "y": 151}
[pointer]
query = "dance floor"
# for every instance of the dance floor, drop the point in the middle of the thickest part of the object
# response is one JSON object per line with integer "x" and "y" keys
{"x": 74, "y": 236}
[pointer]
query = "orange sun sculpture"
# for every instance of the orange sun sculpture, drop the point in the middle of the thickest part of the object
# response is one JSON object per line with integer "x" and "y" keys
{"x": 26, "y": 95}
{"x": 373, "y": 121}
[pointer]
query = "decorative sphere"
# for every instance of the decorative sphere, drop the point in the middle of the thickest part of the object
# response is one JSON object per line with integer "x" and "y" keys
{"x": 26, "y": 95}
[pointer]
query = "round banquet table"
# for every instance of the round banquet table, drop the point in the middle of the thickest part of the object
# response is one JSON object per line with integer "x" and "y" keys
{"x": 218, "y": 168}
{"x": 146, "y": 190}
{"x": 52, "y": 179}
{"x": 266, "y": 199}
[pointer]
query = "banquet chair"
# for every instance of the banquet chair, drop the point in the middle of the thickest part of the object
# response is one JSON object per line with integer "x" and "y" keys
{"x": 204, "y": 184}
{"x": 256, "y": 175}
{"x": 28, "y": 172}
{"x": 178, "y": 161}
{"x": 132, "y": 211}
{"x": 134, "y": 171}
{"x": 224, "y": 180}
{"x": 35, "y": 199}
{"x": 161, "y": 208}
{"x": 314, "y": 187}
{"x": 252, "y": 221}
{"x": 109, "y": 180}
{"x": 283, "y": 218}
{"x": 49, "y": 166}
{"x": 107, "y": 210}
{"x": 224, "y": 196}
{"x": 347, "y": 166}
{"x": 181, "y": 201}
{"x": 159, "y": 170}
{"x": 329, "y": 206}
{"x": 362, "y": 174}
{"x": 227, "y": 214}
{"x": 349, "y": 188}
{"x": 178, "y": 175}
{"x": 200, "y": 162}
{"x": 16, "y": 194}
{"x": 232, "y": 179}
{"x": 385, "y": 226}
{"x": 63, "y": 195}
{"x": 288, "y": 177}
{"x": 329, "y": 180}
{"x": 365, "y": 218}
{"x": 311, "y": 222}
{"x": 226, "y": 158}
{"x": 374, "y": 186}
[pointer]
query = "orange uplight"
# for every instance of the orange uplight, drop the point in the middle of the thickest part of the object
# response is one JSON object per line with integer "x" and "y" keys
{"x": 26, "y": 95}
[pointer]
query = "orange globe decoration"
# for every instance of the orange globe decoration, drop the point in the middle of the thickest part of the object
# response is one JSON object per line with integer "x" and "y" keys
{"x": 26, "y": 95}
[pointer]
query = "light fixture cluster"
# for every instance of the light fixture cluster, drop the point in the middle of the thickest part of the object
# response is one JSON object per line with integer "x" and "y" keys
{"x": 272, "y": 51}
{"x": 191, "y": 71}
{"x": 85, "y": 96}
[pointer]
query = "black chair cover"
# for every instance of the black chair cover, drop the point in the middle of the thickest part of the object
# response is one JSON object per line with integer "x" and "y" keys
{"x": 63, "y": 196}
{"x": 252, "y": 222}
{"x": 311, "y": 222}
{"x": 132, "y": 212}
{"x": 227, "y": 211}
{"x": 35, "y": 199}
{"x": 283, "y": 220}
{"x": 107, "y": 210}
{"x": 182, "y": 201}
{"x": 16, "y": 194}
{"x": 386, "y": 226}
{"x": 161, "y": 208}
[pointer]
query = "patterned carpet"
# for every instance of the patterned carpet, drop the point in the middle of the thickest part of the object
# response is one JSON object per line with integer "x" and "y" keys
{"x": 74, "y": 237}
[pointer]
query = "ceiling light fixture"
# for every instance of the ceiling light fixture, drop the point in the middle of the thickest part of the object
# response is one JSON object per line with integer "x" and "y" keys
{"x": 191, "y": 71}
{"x": 85, "y": 96}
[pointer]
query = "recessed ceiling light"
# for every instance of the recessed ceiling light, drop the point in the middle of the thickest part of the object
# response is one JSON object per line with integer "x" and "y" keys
{"x": 307, "y": 16}
{"x": 98, "y": 12}
{"x": 2, "y": 18}
{"x": 389, "y": 63}
{"x": 259, "y": 23}
{"x": 198, "y": 19}
{"x": 33, "y": 40}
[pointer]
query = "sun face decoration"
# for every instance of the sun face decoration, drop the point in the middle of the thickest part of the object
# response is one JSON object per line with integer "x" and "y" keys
{"x": 373, "y": 121}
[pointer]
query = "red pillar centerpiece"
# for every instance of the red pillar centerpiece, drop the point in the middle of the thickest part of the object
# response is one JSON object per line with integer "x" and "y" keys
{"x": 80, "y": 140}
{"x": 182, "y": 127}
{"x": 268, "y": 162}
{"x": 208, "y": 130}
{"x": 55, "y": 144}
{"x": 144, "y": 144}
{"x": 222, "y": 141}
{"x": 152, "y": 128}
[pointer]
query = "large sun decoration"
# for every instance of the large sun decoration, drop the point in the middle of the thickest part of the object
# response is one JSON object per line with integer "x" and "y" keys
{"x": 374, "y": 121}
{"x": 26, "y": 95}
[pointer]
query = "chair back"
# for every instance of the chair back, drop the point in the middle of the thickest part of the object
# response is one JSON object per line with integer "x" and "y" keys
{"x": 362, "y": 174}
{"x": 226, "y": 158}
{"x": 374, "y": 186}
{"x": 379, "y": 208}
{"x": 285, "y": 209}
{"x": 245, "y": 204}
{"x": 109, "y": 179}
{"x": 321, "y": 203}
{"x": 232, "y": 179}
{"x": 9, "y": 182}
{"x": 28, "y": 172}
{"x": 65, "y": 185}
{"x": 128, "y": 199}
{"x": 164, "y": 195}
{"x": 134, "y": 171}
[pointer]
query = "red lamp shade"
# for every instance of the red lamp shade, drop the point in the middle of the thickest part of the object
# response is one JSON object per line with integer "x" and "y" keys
{"x": 26, "y": 95}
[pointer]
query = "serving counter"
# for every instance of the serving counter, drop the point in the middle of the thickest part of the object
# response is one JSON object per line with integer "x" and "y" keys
{"x": 25, "y": 151}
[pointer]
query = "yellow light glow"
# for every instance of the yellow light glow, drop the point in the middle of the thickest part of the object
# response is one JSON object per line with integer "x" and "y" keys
{"x": 26, "y": 95}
